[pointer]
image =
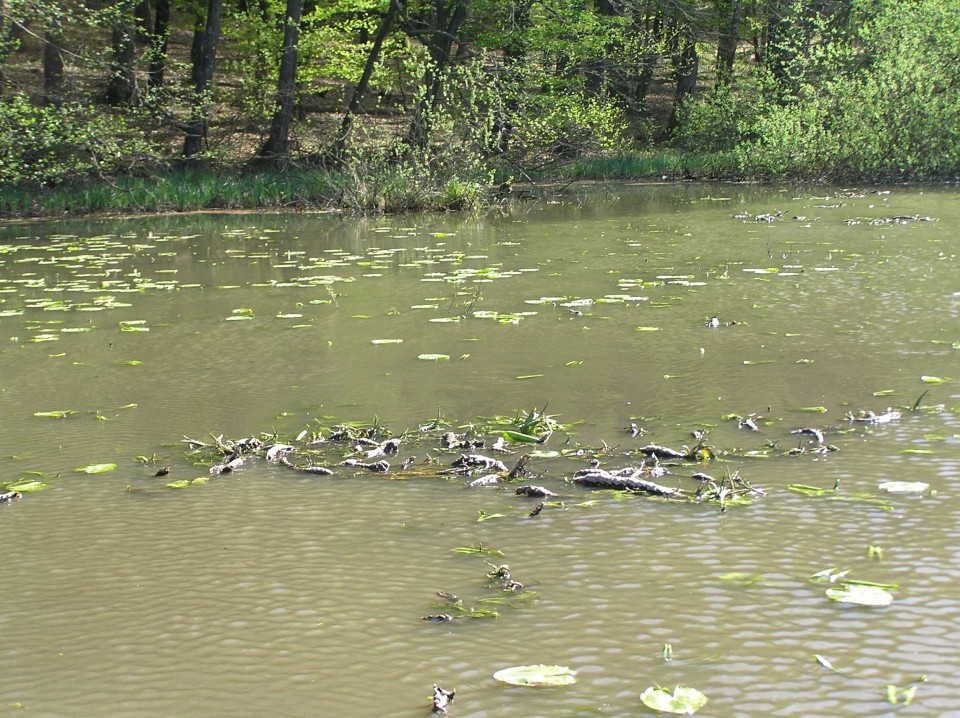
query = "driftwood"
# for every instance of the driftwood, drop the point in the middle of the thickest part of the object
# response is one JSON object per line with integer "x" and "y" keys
{"x": 379, "y": 466}
{"x": 623, "y": 480}
{"x": 442, "y": 699}
{"x": 869, "y": 417}
{"x": 467, "y": 461}
{"x": 323, "y": 470}
{"x": 226, "y": 468}
{"x": 10, "y": 496}
{"x": 809, "y": 431}
{"x": 537, "y": 492}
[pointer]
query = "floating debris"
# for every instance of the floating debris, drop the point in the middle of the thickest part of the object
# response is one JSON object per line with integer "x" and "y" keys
{"x": 815, "y": 433}
{"x": 538, "y": 492}
{"x": 442, "y": 699}
{"x": 869, "y": 417}
{"x": 10, "y": 496}
{"x": 377, "y": 466}
{"x": 628, "y": 479}
{"x": 472, "y": 461}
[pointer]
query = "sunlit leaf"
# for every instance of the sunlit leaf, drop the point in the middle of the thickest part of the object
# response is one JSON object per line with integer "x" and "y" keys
{"x": 904, "y": 487}
{"x": 814, "y": 409}
{"x": 529, "y": 376}
{"x": 479, "y": 549}
{"x": 744, "y": 579}
{"x": 484, "y": 516}
{"x": 54, "y": 414}
{"x": 537, "y": 675}
{"x": 433, "y": 357}
{"x": 25, "y": 485}
{"x": 861, "y": 595}
{"x": 386, "y": 341}
{"x": 96, "y": 468}
{"x": 680, "y": 701}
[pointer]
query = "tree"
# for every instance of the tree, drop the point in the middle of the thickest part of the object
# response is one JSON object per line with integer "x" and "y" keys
{"x": 276, "y": 146}
{"x": 53, "y": 72}
{"x": 729, "y": 15}
{"x": 436, "y": 26}
{"x": 122, "y": 85}
{"x": 157, "y": 38}
{"x": 362, "y": 84}
{"x": 206, "y": 39}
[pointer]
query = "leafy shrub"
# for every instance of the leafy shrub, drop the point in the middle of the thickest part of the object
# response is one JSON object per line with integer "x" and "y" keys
{"x": 50, "y": 145}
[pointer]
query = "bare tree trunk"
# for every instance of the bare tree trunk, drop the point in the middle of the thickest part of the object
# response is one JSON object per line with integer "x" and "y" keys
{"x": 729, "y": 15}
{"x": 686, "y": 65}
{"x": 277, "y": 144}
{"x": 158, "y": 45}
{"x": 360, "y": 91}
{"x": 438, "y": 34}
{"x": 53, "y": 74}
{"x": 122, "y": 85}
{"x": 202, "y": 76}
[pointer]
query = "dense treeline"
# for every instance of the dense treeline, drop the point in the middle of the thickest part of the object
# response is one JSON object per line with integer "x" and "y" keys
{"x": 442, "y": 93}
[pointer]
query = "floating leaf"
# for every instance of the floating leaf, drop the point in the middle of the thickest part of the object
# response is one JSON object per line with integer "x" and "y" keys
{"x": 815, "y": 409}
{"x": 96, "y": 469}
{"x": 184, "y": 483}
{"x": 744, "y": 579}
{"x": 54, "y": 414}
{"x": 530, "y": 376}
{"x": 24, "y": 485}
{"x": 517, "y": 436}
{"x": 648, "y": 329}
{"x": 434, "y": 357}
{"x": 681, "y": 701}
{"x": 538, "y": 675}
{"x": 484, "y": 516}
{"x": 935, "y": 379}
{"x": 860, "y": 595}
{"x": 904, "y": 487}
{"x": 132, "y": 362}
{"x": 825, "y": 663}
{"x": 479, "y": 549}
{"x": 386, "y": 341}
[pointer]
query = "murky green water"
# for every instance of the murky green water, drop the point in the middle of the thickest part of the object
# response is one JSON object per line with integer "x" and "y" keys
{"x": 268, "y": 592}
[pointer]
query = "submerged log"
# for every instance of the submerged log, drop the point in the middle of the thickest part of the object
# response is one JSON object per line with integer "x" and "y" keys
{"x": 479, "y": 461}
{"x": 322, "y": 470}
{"x": 275, "y": 452}
{"x": 10, "y": 496}
{"x": 869, "y": 417}
{"x": 487, "y": 480}
{"x": 379, "y": 466}
{"x": 632, "y": 482}
{"x": 537, "y": 492}
{"x": 809, "y": 431}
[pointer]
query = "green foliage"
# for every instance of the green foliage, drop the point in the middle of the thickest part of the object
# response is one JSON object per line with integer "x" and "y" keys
{"x": 48, "y": 145}
{"x": 875, "y": 97}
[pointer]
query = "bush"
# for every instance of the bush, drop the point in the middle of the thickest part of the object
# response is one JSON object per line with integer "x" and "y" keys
{"x": 50, "y": 145}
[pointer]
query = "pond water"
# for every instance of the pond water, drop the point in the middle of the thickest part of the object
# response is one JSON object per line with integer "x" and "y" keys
{"x": 267, "y": 591}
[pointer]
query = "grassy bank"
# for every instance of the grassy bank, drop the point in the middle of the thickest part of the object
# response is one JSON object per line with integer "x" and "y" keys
{"x": 387, "y": 189}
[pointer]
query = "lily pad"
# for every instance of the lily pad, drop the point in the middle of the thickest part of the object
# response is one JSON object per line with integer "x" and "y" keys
{"x": 59, "y": 414}
{"x": 904, "y": 487}
{"x": 538, "y": 675}
{"x": 860, "y": 595}
{"x": 681, "y": 700}
{"x": 96, "y": 469}
{"x": 434, "y": 357}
